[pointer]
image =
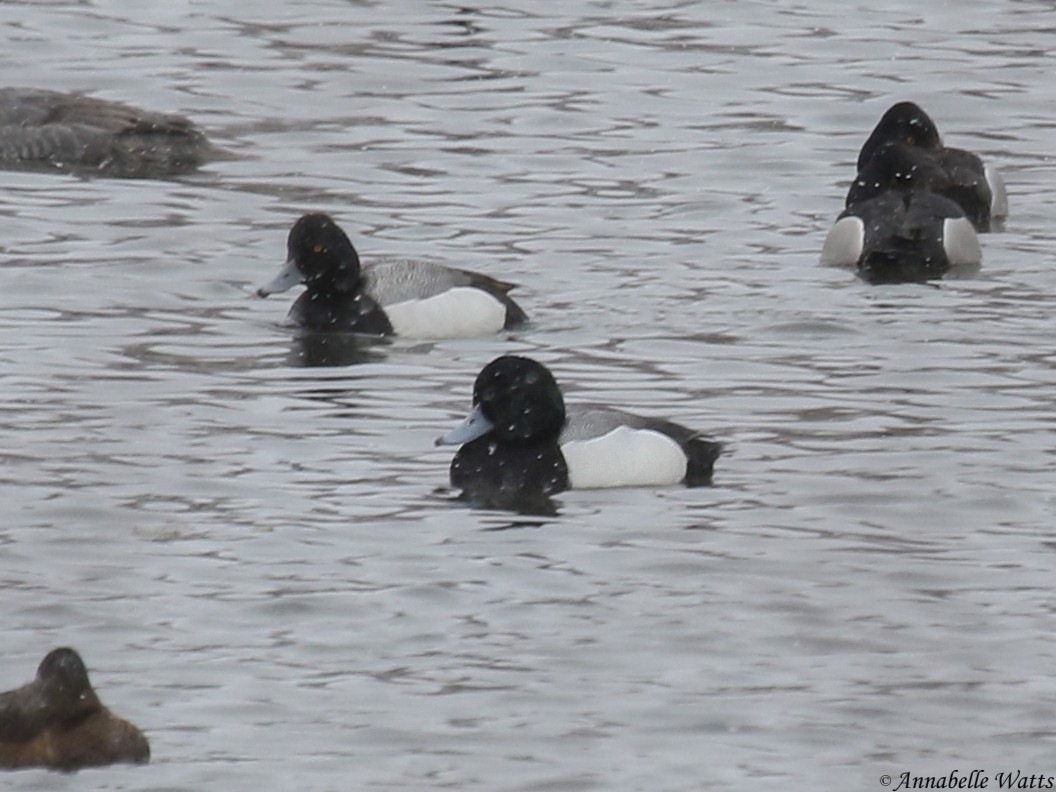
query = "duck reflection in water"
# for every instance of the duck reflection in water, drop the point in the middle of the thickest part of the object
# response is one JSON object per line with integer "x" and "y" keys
{"x": 526, "y": 501}
{"x": 57, "y": 721}
{"x": 320, "y": 350}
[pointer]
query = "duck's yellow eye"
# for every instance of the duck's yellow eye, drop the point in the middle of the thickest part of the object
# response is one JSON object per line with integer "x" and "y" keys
{"x": 318, "y": 249}
{"x": 911, "y": 141}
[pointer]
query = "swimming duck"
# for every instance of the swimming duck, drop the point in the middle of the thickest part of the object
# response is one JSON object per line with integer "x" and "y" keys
{"x": 57, "y": 721}
{"x": 71, "y": 132}
{"x": 896, "y": 228}
{"x": 977, "y": 187}
{"x": 519, "y": 438}
{"x": 406, "y": 298}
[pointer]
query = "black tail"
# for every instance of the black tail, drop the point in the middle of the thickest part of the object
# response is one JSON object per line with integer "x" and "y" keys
{"x": 702, "y": 454}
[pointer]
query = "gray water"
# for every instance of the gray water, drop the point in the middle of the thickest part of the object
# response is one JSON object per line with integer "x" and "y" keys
{"x": 258, "y": 555}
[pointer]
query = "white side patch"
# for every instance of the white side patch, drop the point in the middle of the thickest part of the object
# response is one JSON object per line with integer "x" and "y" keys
{"x": 461, "y": 312}
{"x": 843, "y": 245}
{"x": 624, "y": 457}
{"x": 999, "y": 195}
{"x": 961, "y": 242}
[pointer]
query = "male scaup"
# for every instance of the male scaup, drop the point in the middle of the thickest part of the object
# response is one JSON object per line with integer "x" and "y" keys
{"x": 407, "y": 298}
{"x": 81, "y": 134}
{"x": 975, "y": 186}
{"x": 57, "y": 721}
{"x": 895, "y": 229}
{"x": 518, "y": 438}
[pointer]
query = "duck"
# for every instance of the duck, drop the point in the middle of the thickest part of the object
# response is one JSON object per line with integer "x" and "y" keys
{"x": 71, "y": 132}
{"x": 57, "y": 721}
{"x": 976, "y": 186}
{"x": 417, "y": 299}
{"x": 897, "y": 227}
{"x": 519, "y": 437}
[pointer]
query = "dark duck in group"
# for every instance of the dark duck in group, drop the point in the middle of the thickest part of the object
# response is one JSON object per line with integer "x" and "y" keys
{"x": 915, "y": 206}
{"x": 57, "y": 721}
{"x": 520, "y": 440}
{"x": 897, "y": 226}
{"x": 972, "y": 184}
{"x": 406, "y": 298}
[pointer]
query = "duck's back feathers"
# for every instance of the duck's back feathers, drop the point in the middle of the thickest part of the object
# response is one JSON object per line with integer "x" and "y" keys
{"x": 605, "y": 447}
{"x": 897, "y": 167}
{"x": 78, "y": 133}
{"x": 428, "y": 300}
{"x": 968, "y": 185}
{"x": 911, "y": 236}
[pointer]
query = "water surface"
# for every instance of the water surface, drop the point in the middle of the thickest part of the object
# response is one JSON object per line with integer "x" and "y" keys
{"x": 257, "y": 554}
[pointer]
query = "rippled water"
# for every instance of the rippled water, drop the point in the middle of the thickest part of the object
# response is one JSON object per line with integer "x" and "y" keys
{"x": 256, "y": 553}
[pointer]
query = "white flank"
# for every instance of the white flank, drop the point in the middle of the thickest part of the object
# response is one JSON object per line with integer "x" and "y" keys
{"x": 843, "y": 245}
{"x": 999, "y": 195}
{"x": 624, "y": 457}
{"x": 461, "y": 312}
{"x": 961, "y": 242}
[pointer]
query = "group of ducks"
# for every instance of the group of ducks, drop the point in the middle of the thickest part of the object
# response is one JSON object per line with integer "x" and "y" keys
{"x": 914, "y": 209}
{"x": 912, "y": 214}
{"x": 519, "y": 443}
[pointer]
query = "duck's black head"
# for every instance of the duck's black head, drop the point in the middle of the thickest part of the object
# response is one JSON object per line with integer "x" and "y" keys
{"x": 521, "y": 398}
{"x": 64, "y": 668}
{"x": 904, "y": 123}
{"x": 323, "y": 254}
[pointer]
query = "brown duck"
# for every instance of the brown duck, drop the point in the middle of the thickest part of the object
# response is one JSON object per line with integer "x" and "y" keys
{"x": 57, "y": 721}
{"x": 82, "y": 134}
